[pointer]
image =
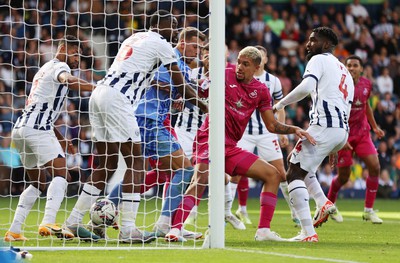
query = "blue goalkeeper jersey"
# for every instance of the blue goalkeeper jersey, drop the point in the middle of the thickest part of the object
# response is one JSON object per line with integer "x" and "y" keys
{"x": 156, "y": 103}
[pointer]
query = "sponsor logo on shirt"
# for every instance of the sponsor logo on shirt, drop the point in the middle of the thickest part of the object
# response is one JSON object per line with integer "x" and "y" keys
{"x": 253, "y": 94}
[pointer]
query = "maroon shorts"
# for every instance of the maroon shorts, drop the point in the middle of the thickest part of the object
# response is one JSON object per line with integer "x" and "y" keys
{"x": 237, "y": 160}
{"x": 362, "y": 146}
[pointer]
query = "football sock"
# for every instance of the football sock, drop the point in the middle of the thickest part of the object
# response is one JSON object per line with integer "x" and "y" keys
{"x": 267, "y": 207}
{"x": 86, "y": 199}
{"x": 116, "y": 194}
{"x": 129, "y": 208}
{"x": 243, "y": 190}
{"x": 370, "y": 193}
{"x": 315, "y": 190}
{"x": 228, "y": 199}
{"x": 233, "y": 189}
{"x": 175, "y": 191}
{"x": 55, "y": 196}
{"x": 183, "y": 211}
{"x": 300, "y": 200}
{"x": 284, "y": 189}
{"x": 334, "y": 189}
{"x": 25, "y": 203}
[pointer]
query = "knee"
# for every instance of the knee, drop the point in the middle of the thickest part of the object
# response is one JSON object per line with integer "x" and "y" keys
{"x": 295, "y": 173}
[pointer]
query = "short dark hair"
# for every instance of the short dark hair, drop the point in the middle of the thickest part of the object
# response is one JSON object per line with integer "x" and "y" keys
{"x": 159, "y": 17}
{"x": 189, "y": 32}
{"x": 69, "y": 40}
{"x": 354, "y": 57}
{"x": 262, "y": 49}
{"x": 327, "y": 33}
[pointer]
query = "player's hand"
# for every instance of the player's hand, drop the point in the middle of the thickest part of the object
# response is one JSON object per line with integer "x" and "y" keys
{"x": 304, "y": 134}
{"x": 283, "y": 140}
{"x": 379, "y": 132}
{"x": 333, "y": 160}
{"x": 347, "y": 146}
{"x": 178, "y": 105}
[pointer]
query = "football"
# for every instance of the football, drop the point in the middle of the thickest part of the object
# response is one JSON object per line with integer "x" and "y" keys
{"x": 103, "y": 212}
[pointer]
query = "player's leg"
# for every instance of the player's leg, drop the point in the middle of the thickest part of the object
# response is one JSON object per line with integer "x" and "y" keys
{"x": 345, "y": 160}
{"x": 372, "y": 163}
{"x": 25, "y": 204}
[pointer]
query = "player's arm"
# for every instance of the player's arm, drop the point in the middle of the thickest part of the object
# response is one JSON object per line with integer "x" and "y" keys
{"x": 187, "y": 92}
{"x": 281, "y": 117}
{"x": 275, "y": 126}
{"x": 371, "y": 119}
{"x": 75, "y": 83}
{"x": 300, "y": 92}
{"x": 65, "y": 144}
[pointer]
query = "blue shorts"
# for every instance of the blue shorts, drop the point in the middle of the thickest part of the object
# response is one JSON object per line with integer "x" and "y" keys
{"x": 158, "y": 140}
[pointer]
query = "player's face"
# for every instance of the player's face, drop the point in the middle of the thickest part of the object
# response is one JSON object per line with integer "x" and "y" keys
{"x": 314, "y": 46}
{"x": 169, "y": 29}
{"x": 245, "y": 69}
{"x": 205, "y": 58}
{"x": 354, "y": 67}
{"x": 72, "y": 56}
{"x": 191, "y": 48}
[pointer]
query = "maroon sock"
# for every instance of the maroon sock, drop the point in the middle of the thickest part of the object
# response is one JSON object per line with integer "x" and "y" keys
{"x": 370, "y": 193}
{"x": 267, "y": 208}
{"x": 243, "y": 190}
{"x": 334, "y": 189}
{"x": 183, "y": 211}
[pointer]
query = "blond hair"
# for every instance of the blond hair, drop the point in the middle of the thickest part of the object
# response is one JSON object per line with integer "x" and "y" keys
{"x": 252, "y": 53}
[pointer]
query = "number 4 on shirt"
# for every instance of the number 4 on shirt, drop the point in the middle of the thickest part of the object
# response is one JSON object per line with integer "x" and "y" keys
{"x": 343, "y": 87}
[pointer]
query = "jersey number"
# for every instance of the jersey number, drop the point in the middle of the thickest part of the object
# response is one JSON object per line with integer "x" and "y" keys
{"x": 343, "y": 87}
{"x": 125, "y": 53}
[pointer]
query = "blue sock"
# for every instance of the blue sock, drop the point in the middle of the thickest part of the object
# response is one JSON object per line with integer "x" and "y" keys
{"x": 116, "y": 194}
{"x": 176, "y": 189}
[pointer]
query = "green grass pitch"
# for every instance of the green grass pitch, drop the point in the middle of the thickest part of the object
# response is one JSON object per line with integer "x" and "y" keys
{"x": 351, "y": 241}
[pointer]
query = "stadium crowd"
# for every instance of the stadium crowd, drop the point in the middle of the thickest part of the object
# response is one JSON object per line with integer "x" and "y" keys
{"x": 29, "y": 31}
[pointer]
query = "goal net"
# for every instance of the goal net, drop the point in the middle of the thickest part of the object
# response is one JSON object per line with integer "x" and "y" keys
{"x": 30, "y": 32}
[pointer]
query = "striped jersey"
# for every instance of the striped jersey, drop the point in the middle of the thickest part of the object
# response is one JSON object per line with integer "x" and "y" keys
{"x": 46, "y": 98}
{"x": 333, "y": 93}
{"x": 256, "y": 125}
{"x": 191, "y": 118}
{"x": 138, "y": 58}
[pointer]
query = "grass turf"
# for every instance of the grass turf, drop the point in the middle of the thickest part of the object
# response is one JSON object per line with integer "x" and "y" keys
{"x": 351, "y": 241}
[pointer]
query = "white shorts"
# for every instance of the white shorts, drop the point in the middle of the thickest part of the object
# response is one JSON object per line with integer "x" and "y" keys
{"x": 268, "y": 147}
{"x": 36, "y": 147}
{"x": 185, "y": 139}
{"x": 112, "y": 116}
{"x": 329, "y": 140}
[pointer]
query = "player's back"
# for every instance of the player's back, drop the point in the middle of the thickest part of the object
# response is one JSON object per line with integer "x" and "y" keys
{"x": 334, "y": 91}
{"x": 46, "y": 97}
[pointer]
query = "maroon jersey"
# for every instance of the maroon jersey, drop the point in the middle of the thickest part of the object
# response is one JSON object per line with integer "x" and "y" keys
{"x": 358, "y": 116}
{"x": 240, "y": 102}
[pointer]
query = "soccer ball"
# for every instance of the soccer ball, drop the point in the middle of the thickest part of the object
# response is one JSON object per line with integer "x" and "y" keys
{"x": 103, "y": 212}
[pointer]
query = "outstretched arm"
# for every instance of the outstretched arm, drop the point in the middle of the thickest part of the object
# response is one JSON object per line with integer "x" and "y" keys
{"x": 187, "y": 92}
{"x": 75, "y": 83}
{"x": 275, "y": 126}
{"x": 299, "y": 93}
{"x": 281, "y": 116}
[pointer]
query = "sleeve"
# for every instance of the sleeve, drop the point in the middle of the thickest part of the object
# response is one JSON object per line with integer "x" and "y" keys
{"x": 277, "y": 94}
{"x": 162, "y": 75}
{"x": 315, "y": 67}
{"x": 166, "y": 53}
{"x": 60, "y": 68}
{"x": 265, "y": 101}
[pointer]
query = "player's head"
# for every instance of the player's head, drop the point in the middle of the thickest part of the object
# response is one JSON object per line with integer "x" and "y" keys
{"x": 321, "y": 40}
{"x": 165, "y": 24}
{"x": 264, "y": 54}
{"x": 354, "y": 65}
{"x": 68, "y": 51}
{"x": 205, "y": 56}
{"x": 248, "y": 63}
{"x": 189, "y": 43}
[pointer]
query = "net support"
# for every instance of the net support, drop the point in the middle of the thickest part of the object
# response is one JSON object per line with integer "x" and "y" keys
{"x": 217, "y": 125}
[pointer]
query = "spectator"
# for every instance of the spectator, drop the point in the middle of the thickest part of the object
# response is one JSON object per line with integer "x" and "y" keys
{"x": 358, "y": 10}
{"x": 384, "y": 82}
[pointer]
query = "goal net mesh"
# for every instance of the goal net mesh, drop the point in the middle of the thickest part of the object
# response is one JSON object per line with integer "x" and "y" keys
{"x": 29, "y": 34}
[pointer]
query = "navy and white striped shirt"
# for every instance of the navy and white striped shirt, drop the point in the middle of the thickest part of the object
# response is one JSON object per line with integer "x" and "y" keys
{"x": 256, "y": 125}
{"x": 46, "y": 98}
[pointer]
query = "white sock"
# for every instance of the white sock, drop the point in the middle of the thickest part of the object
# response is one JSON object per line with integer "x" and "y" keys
{"x": 228, "y": 200}
{"x": 194, "y": 210}
{"x": 299, "y": 198}
{"x": 368, "y": 209}
{"x": 234, "y": 187}
{"x": 315, "y": 190}
{"x": 86, "y": 199}
{"x": 285, "y": 192}
{"x": 25, "y": 203}
{"x": 129, "y": 208}
{"x": 55, "y": 196}
{"x": 164, "y": 223}
{"x": 243, "y": 208}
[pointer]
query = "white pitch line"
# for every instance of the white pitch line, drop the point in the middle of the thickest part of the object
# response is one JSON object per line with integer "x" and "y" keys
{"x": 292, "y": 255}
